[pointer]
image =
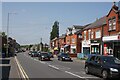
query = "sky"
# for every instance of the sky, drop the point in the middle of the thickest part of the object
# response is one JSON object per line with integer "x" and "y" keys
{"x": 34, "y": 20}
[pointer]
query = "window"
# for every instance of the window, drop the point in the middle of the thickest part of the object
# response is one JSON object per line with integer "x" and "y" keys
{"x": 73, "y": 40}
{"x": 98, "y": 34}
{"x": 84, "y": 35}
{"x": 80, "y": 36}
{"x": 92, "y": 34}
{"x": 112, "y": 23}
{"x": 92, "y": 58}
{"x": 89, "y": 34}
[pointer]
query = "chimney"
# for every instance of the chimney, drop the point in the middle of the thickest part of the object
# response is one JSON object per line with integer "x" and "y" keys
{"x": 114, "y": 3}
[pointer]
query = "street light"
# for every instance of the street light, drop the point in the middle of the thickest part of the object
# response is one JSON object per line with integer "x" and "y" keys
{"x": 8, "y": 16}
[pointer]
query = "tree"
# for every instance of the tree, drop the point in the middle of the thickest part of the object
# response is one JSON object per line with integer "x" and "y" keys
{"x": 55, "y": 30}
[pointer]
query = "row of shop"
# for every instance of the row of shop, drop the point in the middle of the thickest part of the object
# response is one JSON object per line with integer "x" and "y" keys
{"x": 107, "y": 46}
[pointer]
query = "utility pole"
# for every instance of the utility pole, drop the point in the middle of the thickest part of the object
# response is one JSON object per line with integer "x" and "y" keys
{"x": 7, "y": 47}
{"x": 58, "y": 35}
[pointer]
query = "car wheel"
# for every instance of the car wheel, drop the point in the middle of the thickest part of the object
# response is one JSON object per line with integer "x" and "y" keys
{"x": 86, "y": 70}
{"x": 104, "y": 74}
{"x": 41, "y": 59}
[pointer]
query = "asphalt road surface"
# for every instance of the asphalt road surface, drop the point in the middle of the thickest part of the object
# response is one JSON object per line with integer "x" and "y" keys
{"x": 53, "y": 69}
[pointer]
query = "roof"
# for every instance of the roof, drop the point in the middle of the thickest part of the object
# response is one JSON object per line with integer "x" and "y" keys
{"x": 62, "y": 36}
{"x": 70, "y": 29}
{"x": 78, "y": 27}
{"x": 114, "y": 8}
{"x": 97, "y": 23}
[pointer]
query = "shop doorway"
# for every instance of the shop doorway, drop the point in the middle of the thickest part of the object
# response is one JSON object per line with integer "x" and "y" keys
{"x": 117, "y": 51}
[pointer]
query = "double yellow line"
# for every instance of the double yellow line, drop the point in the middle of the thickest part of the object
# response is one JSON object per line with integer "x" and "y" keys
{"x": 23, "y": 73}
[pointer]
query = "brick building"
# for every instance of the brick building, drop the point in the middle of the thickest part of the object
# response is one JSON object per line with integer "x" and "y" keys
{"x": 103, "y": 35}
{"x": 111, "y": 33}
{"x": 73, "y": 40}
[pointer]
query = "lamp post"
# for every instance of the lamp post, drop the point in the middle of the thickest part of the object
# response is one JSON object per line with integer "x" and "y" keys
{"x": 8, "y": 18}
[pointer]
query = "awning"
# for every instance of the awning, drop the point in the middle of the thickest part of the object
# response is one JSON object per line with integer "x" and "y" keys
{"x": 66, "y": 46}
{"x": 55, "y": 48}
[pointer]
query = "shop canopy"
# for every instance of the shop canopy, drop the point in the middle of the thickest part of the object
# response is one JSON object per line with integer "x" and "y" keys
{"x": 55, "y": 48}
{"x": 66, "y": 45}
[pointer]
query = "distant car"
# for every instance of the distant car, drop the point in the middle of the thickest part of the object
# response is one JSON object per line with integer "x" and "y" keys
{"x": 104, "y": 66}
{"x": 51, "y": 55}
{"x": 44, "y": 56}
{"x": 34, "y": 54}
{"x": 64, "y": 57}
{"x": 30, "y": 52}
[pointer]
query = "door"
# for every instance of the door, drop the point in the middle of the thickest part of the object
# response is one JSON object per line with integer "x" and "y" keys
{"x": 98, "y": 65}
{"x": 117, "y": 51}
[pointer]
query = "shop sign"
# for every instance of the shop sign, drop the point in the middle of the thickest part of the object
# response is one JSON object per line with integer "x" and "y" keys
{"x": 95, "y": 41}
{"x": 116, "y": 37}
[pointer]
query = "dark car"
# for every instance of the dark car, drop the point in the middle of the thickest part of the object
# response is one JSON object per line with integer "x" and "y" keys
{"x": 104, "y": 66}
{"x": 30, "y": 52}
{"x": 34, "y": 54}
{"x": 64, "y": 57}
{"x": 50, "y": 54}
{"x": 44, "y": 56}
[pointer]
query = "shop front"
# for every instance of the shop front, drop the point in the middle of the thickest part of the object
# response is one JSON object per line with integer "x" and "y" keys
{"x": 95, "y": 46}
{"x": 112, "y": 46}
{"x": 86, "y": 47}
{"x": 73, "y": 51}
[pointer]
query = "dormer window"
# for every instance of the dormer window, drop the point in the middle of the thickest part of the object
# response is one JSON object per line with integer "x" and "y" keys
{"x": 112, "y": 24}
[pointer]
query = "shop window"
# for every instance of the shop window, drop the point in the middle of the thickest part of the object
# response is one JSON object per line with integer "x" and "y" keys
{"x": 73, "y": 51}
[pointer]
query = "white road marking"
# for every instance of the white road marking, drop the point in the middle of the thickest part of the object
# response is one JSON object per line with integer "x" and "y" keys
{"x": 23, "y": 73}
{"x": 73, "y": 74}
{"x": 53, "y": 67}
{"x": 62, "y": 67}
{"x": 80, "y": 76}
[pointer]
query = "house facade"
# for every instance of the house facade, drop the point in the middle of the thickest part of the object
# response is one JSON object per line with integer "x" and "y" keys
{"x": 92, "y": 37}
{"x": 111, "y": 36}
{"x": 73, "y": 40}
{"x": 103, "y": 35}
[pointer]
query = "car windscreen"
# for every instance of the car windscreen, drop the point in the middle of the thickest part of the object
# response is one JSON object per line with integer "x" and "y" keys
{"x": 34, "y": 52}
{"x": 66, "y": 55}
{"x": 44, "y": 54}
{"x": 111, "y": 60}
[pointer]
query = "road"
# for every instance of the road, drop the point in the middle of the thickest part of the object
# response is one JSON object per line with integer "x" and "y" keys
{"x": 52, "y": 69}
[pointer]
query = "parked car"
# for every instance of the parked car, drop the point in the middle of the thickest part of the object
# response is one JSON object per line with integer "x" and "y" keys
{"x": 30, "y": 52}
{"x": 34, "y": 54}
{"x": 50, "y": 54}
{"x": 64, "y": 57}
{"x": 44, "y": 56}
{"x": 104, "y": 66}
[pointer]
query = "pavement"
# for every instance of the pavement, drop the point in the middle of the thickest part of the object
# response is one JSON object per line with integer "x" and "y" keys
{"x": 9, "y": 69}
